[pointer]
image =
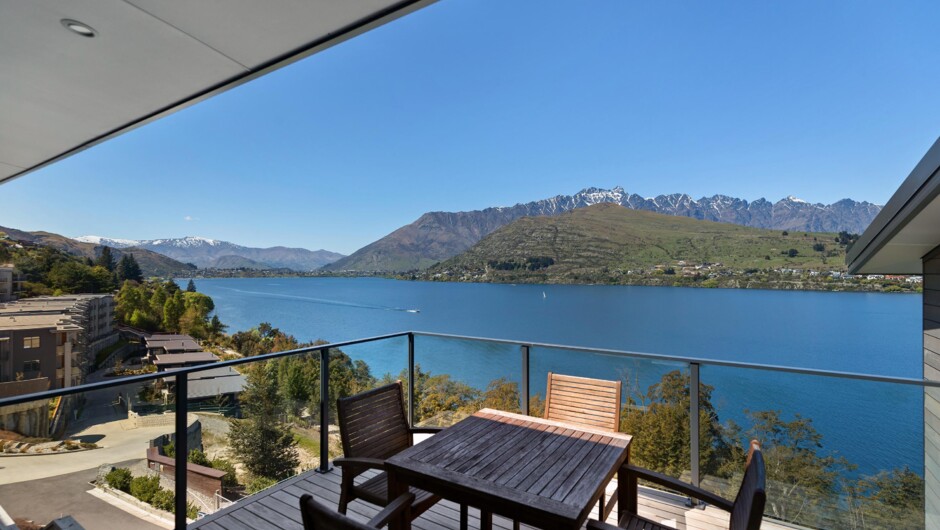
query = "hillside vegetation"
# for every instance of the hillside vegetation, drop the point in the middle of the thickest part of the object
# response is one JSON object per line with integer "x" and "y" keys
{"x": 151, "y": 263}
{"x": 607, "y": 243}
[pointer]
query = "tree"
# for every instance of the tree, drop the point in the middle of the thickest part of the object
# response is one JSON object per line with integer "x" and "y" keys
{"x": 261, "y": 440}
{"x": 502, "y": 394}
{"x": 128, "y": 269}
{"x": 216, "y": 327}
{"x": 106, "y": 259}
{"x": 660, "y": 423}
{"x": 890, "y": 499}
{"x": 793, "y": 252}
{"x": 172, "y": 311}
{"x": 801, "y": 482}
{"x": 191, "y": 286}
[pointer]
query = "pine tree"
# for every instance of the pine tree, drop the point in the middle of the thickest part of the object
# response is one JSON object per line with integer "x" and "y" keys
{"x": 128, "y": 269}
{"x": 106, "y": 259}
{"x": 262, "y": 442}
{"x": 191, "y": 286}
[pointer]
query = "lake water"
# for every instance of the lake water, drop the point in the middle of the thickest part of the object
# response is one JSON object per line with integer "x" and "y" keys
{"x": 875, "y": 425}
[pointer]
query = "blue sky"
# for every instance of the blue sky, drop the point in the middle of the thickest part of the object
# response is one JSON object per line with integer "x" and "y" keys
{"x": 468, "y": 104}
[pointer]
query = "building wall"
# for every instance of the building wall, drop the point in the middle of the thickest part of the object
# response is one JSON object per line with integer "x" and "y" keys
{"x": 932, "y": 395}
{"x": 6, "y": 284}
{"x": 15, "y": 354}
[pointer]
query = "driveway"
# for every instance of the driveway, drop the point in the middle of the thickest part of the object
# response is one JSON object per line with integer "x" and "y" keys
{"x": 44, "y": 500}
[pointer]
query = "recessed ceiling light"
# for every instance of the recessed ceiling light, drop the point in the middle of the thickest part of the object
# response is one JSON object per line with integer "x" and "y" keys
{"x": 78, "y": 28}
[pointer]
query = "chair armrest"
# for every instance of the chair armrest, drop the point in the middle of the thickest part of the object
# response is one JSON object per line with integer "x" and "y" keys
{"x": 672, "y": 483}
{"x": 426, "y": 430}
{"x": 393, "y": 509}
{"x": 597, "y": 525}
{"x": 352, "y": 462}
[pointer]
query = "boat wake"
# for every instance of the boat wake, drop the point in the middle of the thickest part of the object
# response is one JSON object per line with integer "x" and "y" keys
{"x": 323, "y": 301}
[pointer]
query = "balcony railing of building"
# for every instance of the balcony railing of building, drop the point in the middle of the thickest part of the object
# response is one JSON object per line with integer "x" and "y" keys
{"x": 837, "y": 439}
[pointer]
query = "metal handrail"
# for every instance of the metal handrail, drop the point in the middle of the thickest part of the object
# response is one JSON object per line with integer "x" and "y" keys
{"x": 695, "y": 360}
{"x": 181, "y": 377}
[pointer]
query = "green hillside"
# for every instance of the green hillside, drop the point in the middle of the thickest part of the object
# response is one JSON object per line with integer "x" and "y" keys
{"x": 608, "y": 243}
{"x": 151, "y": 263}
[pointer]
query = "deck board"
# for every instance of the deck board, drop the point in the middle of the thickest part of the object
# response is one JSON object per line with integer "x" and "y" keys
{"x": 278, "y": 508}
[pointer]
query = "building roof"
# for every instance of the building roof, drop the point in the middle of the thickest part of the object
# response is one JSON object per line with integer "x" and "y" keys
{"x": 213, "y": 382}
{"x": 171, "y": 359}
{"x": 51, "y": 322}
{"x": 172, "y": 343}
{"x": 145, "y": 59}
{"x": 907, "y": 228}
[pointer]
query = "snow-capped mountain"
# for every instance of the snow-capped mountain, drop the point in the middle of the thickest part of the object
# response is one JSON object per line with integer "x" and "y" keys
{"x": 436, "y": 236}
{"x": 108, "y": 242}
{"x": 204, "y": 252}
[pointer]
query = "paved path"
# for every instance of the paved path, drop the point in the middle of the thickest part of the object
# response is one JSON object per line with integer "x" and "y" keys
{"x": 115, "y": 445}
{"x": 45, "y": 500}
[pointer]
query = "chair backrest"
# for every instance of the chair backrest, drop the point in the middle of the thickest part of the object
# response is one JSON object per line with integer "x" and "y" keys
{"x": 748, "y": 510}
{"x": 318, "y": 517}
{"x": 373, "y": 424}
{"x": 582, "y": 401}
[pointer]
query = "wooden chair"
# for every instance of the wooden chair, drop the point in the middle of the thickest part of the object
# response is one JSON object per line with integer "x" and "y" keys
{"x": 318, "y": 517}
{"x": 373, "y": 427}
{"x": 747, "y": 510}
{"x": 593, "y": 403}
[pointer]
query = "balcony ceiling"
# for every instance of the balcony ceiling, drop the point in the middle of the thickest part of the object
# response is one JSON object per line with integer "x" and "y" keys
{"x": 61, "y": 92}
{"x": 907, "y": 228}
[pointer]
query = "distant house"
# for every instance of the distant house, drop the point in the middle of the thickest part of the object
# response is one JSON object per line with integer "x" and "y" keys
{"x": 212, "y": 384}
{"x": 163, "y": 344}
{"x": 169, "y": 361}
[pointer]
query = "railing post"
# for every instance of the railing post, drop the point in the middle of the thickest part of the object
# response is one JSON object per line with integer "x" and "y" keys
{"x": 324, "y": 411}
{"x": 694, "y": 428}
{"x": 182, "y": 451}
{"x": 524, "y": 387}
{"x": 411, "y": 380}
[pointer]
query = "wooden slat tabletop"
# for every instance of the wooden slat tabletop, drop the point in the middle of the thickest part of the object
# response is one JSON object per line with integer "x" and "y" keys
{"x": 541, "y": 472}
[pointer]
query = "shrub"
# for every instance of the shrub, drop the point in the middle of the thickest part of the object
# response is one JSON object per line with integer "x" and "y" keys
{"x": 191, "y": 511}
{"x": 229, "y": 480}
{"x": 164, "y": 500}
{"x": 144, "y": 488}
{"x": 257, "y": 484}
{"x": 119, "y": 479}
{"x": 199, "y": 458}
{"x": 170, "y": 450}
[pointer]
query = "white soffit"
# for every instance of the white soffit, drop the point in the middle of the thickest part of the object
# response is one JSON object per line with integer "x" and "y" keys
{"x": 61, "y": 92}
{"x": 907, "y": 228}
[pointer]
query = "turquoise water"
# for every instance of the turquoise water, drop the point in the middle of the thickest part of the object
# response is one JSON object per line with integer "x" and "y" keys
{"x": 874, "y": 425}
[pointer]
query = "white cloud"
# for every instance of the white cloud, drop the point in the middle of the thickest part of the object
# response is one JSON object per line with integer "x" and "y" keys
{"x": 190, "y": 218}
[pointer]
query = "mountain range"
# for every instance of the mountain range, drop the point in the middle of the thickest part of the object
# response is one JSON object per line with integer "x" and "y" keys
{"x": 608, "y": 243}
{"x": 437, "y": 236}
{"x": 213, "y": 253}
{"x": 151, "y": 263}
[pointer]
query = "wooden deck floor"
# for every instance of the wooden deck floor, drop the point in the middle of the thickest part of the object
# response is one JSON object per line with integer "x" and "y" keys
{"x": 277, "y": 507}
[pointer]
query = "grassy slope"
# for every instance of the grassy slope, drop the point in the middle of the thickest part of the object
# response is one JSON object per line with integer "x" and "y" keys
{"x": 605, "y": 235}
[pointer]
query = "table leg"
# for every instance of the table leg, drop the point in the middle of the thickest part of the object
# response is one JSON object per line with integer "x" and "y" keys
{"x": 396, "y": 488}
{"x": 626, "y": 491}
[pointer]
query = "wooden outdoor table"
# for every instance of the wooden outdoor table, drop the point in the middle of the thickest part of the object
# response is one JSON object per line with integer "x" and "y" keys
{"x": 543, "y": 473}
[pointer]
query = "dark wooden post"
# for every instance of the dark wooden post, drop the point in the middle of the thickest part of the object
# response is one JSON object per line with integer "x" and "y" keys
{"x": 182, "y": 451}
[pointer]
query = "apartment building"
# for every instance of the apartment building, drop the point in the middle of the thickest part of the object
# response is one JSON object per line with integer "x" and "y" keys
{"x": 39, "y": 346}
{"x": 93, "y": 313}
{"x": 9, "y": 283}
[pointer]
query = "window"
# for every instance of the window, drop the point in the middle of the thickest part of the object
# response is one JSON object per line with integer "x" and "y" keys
{"x": 30, "y": 342}
{"x": 31, "y": 366}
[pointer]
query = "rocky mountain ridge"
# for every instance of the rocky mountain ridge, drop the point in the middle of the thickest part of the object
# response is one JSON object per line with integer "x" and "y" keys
{"x": 437, "y": 236}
